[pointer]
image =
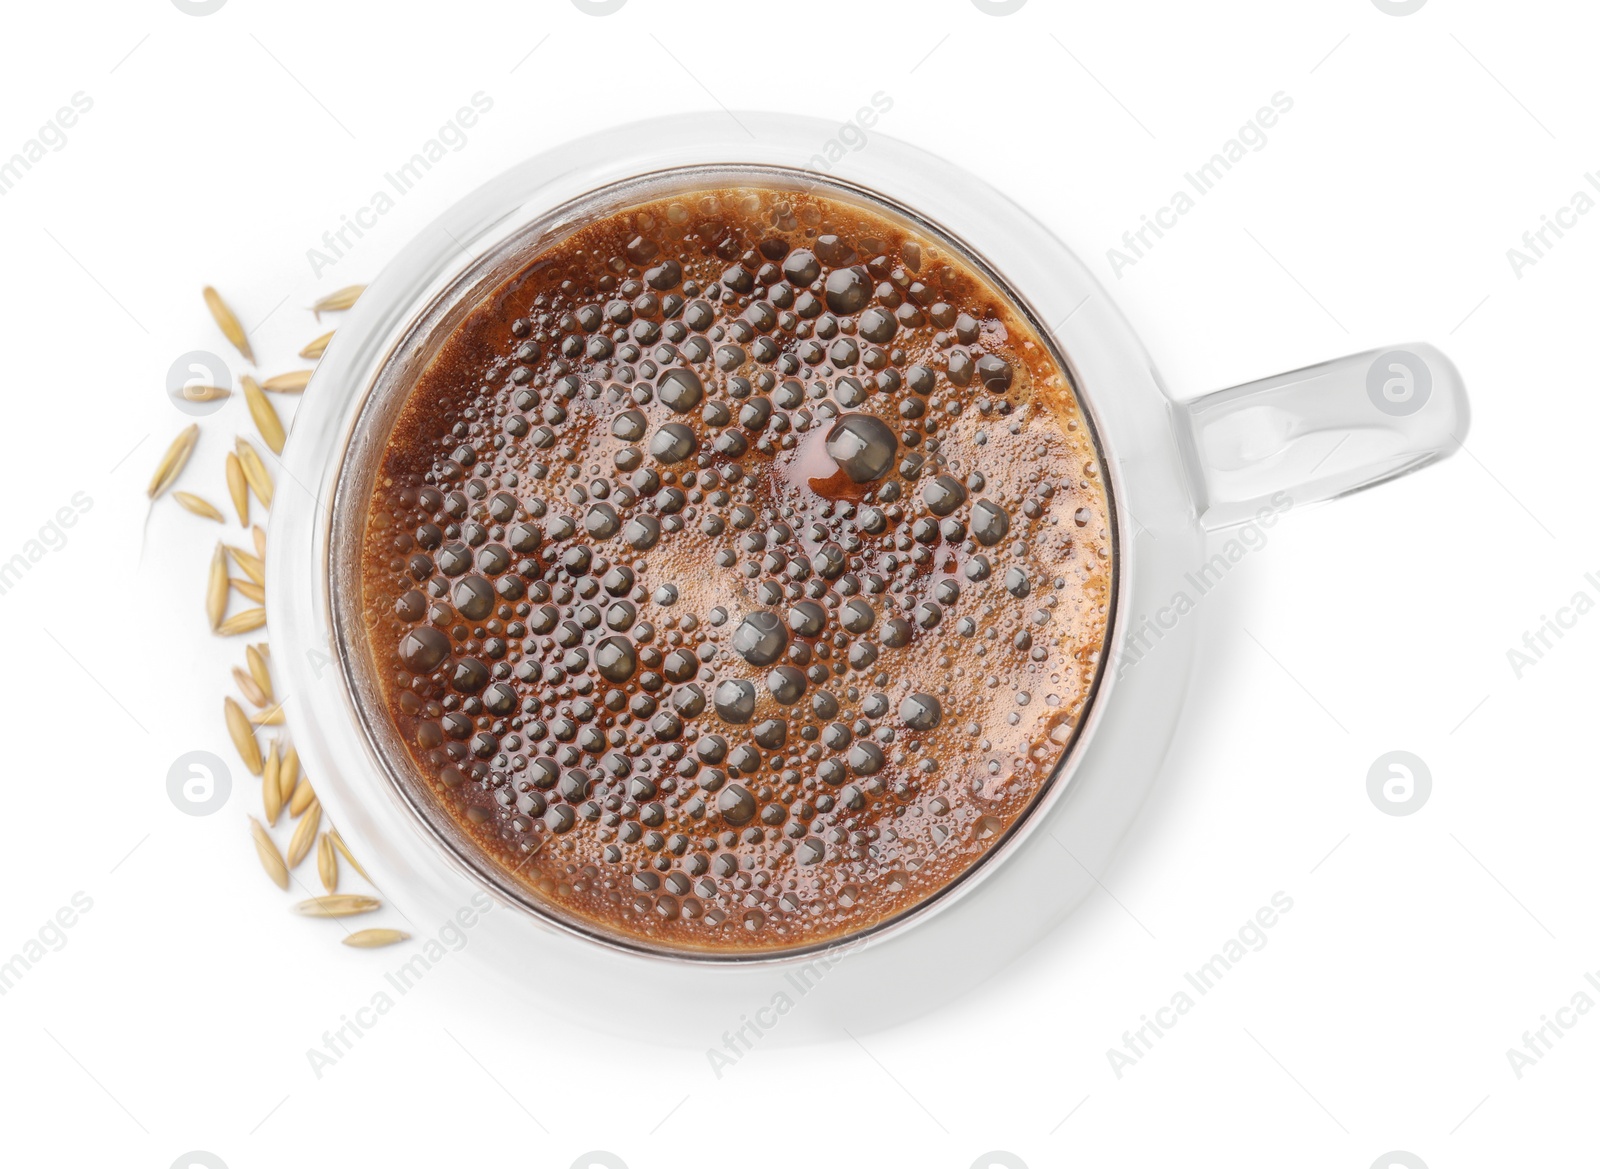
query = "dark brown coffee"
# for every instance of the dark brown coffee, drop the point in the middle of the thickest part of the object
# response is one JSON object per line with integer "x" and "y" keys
{"x": 739, "y": 570}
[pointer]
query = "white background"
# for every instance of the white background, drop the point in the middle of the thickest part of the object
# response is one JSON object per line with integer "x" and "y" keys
{"x": 1377, "y": 1017}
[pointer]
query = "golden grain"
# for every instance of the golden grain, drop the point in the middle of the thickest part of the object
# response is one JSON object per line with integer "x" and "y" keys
{"x": 339, "y": 301}
{"x": 250, "y": 565}
{"x": 344, "y": 851}
{"x": 272, "y": 717}
{"x": 288, "y": 774}
{"x": 293, "y": 382}
{"x": 268, "y": 852}
{"x": 271, "y": 797}
{"x": 172, "y": 463}
{"x": 258, "y": 671}
{"x": 217, "y": 587}
{"x": 305, "y": 835}
{"x": 243, "y": 734}
{"x": 318, "y": 347}
{"x": 249, "y": 588}
{"x": 259, "y": 535}
{"x": 264, "y": 415}
{"x": 372, "y": 939}
{"x": 338, "y": 905}
{"x": 228, "y": 323}
{"x": 255, "y": 471}
{"x": 244, "y": 621}
{"x": 247, "y": 687}
{"x": 302, "y": 798}
{"x": 197, "y": 506}
{"x": 327, "y": 864}
{"x": 205, "y": 393}
{"x": 238, "y": 490}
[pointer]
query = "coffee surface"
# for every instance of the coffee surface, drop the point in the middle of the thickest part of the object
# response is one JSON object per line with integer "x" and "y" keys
{"x": 738, "y": 570}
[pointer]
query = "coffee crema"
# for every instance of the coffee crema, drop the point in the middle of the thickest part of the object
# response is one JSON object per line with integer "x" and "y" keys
{"x": 739, "y": 569}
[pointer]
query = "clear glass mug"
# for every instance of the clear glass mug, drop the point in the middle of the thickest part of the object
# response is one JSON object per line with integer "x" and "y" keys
{"x": 1177, "y": 470}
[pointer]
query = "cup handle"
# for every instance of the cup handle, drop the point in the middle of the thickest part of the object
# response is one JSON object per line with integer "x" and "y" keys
{"x": 1320, "y": 432}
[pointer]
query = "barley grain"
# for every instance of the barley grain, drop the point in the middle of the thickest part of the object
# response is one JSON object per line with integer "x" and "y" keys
{"x": 250, "y": 565}
{"x": 228, "y": 323}
{"x": 327, "y": 864}
{"x": 338, "y": 301}
{"x": 271, "y": 860}
{"x": 252, "y": 692}
{"x": 217, "y": 587}
{"x": 172, "y": 463}
{"x": 249, "y": 588}
{"x": 302, "y": 798}
{"x": 258, "y": 670}
{"x": 293, "y": 382}
{"x": 372, "y": 939}
{"x": 238, "y": 490}
{"x": 338, "y": 905}
{"x": 264, "y": 415}
{"x": 344, "y": 851}
{"x": 197, "y": 506}
{"x": 305, "y": 835}
{"x": 243, "y": 735}
{"x": 271, "y": 797}
{"x": 255, "y": 471}
{"x": 244, "y": 621}
{"x": 288, "y": 773}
